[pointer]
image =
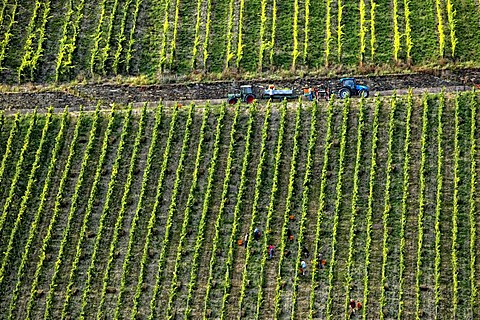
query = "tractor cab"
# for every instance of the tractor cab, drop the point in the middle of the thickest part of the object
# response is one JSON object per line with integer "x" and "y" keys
{"x": 349, "y": 87}
{"x": 244, "y": 94}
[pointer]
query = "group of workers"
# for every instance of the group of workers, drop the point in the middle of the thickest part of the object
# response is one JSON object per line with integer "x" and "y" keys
{"x": 305, "y": 254}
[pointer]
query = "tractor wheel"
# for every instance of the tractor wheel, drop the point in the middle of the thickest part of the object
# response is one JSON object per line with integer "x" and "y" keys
{"x": 249, "y": 99}
{"x": 232, "y": 101}
{"x": 344, "y": 93}
{"x": 364, "y": 93}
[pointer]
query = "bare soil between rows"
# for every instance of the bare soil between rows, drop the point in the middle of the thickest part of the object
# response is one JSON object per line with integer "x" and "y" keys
{"x": 89, "y": 95}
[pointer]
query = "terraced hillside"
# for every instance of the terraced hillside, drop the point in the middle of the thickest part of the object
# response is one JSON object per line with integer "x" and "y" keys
{"x": 56, "y": 40}
{"x": 138, "y": 213}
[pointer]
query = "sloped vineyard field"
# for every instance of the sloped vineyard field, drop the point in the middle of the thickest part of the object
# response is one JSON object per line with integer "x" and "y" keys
{"x": 143, "y": 213}
{"x": 54, "y": 40}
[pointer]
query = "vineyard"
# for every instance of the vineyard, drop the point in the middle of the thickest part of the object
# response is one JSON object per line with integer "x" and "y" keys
{"x": 53, "y": 40}
{"x": 138, "y": 213}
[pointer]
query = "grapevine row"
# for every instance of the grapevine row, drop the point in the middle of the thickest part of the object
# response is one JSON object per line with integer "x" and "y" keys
{"x": 338, "y": 200}
{"x": 288, "y": 204}
{"x": 295, "y": 52}
{"x": 472, "y": 202}
{"x": 207, "y": 34}
{"x": 405, "y": 193}
{"x": 271, "y": 206}
{"x": 454, "y": 257}
{"x": 72, "y": 212}
{"x": 206, "y": 201}
{"x": 227, "y": 284}
{"x": 33, "y": 228}
{"x": 369, "y": 222}
{"x": 305, "y": 202}
{"x": 106, "y": 48}
{"x": 421, "y": 209}
{"x": 441, "y": 34}
{"x": 53, "y": 220}
{"x": 187, "y": 213}
{"x": 27, "y": 193}
{"x": 141, "y": 198}
{"x": 173, "y": 42}
{"x": 88, "y": 212}
{"x": 240, "y": 35}
{"x": 256, "y": 197}
{"x": 30, "y": 36}
{"x": 97, "y": 36}
{"x": 153, "y": 216}
{"x": 221, "y": 209}
{"x": 321, "y": 207}
{"x": 196, "y": 41}
{"x": 351, "y": 245}
{"x": 8, "y": 33}
{"x": 438, "y": 205}
{"x": 8, "y": 148}
{"x": 121, "y": 36}
{"x": 387, "y": 202}
{"x": 106, "y": 209}
{"x": 396, "y": 32}
{"x": 16, "y": 176}
{"x": 171, "y": 212}
{"x": 123, "y": 207}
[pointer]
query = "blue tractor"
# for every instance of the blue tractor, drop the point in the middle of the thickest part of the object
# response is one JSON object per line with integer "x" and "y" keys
{"x": 349, "y": 87}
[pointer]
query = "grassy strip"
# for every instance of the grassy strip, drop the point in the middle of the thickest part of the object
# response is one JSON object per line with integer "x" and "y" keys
{"x": 172, "y": 210}
{"x": 206, "y": 202}
{"x": 271, "y": 206}
{"x": 338, "y": 188}
{"x": 369, "y": 223}
{"x": 387, "y": 203}
{"x": 153, "y": 216}
{"x": 405, "y": 187}
{"x": 305, "y": 202}
{"x": 288, "y": 209}
{"x": 256, "y": 197}
{"x": 188, "y": 210}
{"x": 71, "y": 213}
{"x": 127, "y": 122}
{"x": 141, "y": 198}
{"x": 438, "y": 205}
{"x": 53, "y": 220}
{"x": 421, "y": 209}
{"x": 321, "y": 207}
{"x": 351, "y": 244}
{"x": 33, "y": 228}
{"x": 123, "y": 207}
{"x": 88, "y": 213}
{"x": 16, "y": 176}
{"x": 26, "y": 194}
{"x": 227, "y": 284}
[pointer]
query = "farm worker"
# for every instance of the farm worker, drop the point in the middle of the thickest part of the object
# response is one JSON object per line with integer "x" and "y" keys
{"x": 270, "y": 251}
{"x": 287, "y": 253}
{"x": 305, "y": 252}
{"x": 352, "y": 306}
{"x": 310, "y": 94}
{"x": 319, "y": 261}
{"x": 256, "y": 234}
{"x": 289, "y": 234}
{"x": 245, "y": 240}
{"x": 270, "y": 89}
{"x": 359, "y": 305}
{"x": 303, "y": 265}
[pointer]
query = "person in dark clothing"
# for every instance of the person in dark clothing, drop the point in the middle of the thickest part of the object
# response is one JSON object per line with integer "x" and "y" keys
{"x": 289, "y": 234}
{"x": 305, "y": 252}
{"x": 256, "y": 234}
{"x": 245, "y": 240}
